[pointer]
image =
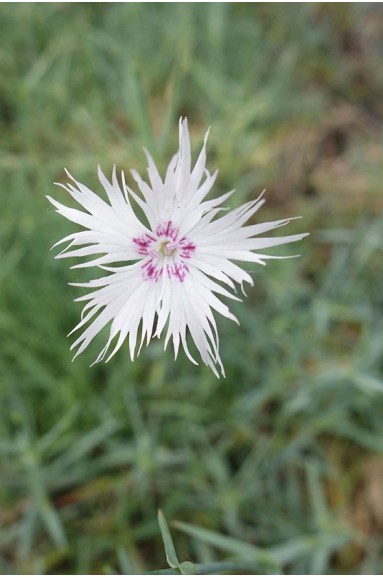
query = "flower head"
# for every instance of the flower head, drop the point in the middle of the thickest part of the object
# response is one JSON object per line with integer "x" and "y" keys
{"x": 169, "y": 273}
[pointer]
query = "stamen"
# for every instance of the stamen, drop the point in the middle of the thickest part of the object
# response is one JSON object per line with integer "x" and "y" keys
{"x": 158, "y": 247}
{"x": 170, "y": 248}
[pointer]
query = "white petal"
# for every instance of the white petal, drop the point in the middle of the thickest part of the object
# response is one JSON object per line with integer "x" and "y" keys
{"x": 184, "y": 158}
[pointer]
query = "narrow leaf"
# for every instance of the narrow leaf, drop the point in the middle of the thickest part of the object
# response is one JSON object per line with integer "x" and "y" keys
{"x": 170, "y": 551}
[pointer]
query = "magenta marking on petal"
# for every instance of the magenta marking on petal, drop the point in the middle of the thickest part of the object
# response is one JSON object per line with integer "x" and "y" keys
{"x": 150, "y": 272}
{"x": 143, "y": 243}
{"x": 167, "y": 230}
{"x": 187, "y": 250}
{"x": 174, "y": 234}
{"x": 158, "y": 247}
{"x": 178, "y": 270}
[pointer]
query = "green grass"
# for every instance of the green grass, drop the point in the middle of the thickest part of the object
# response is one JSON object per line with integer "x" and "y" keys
{"x": 275, "y": 467}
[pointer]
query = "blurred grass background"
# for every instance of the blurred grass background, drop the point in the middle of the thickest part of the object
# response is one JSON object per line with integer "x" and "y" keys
{"x": 284, "y": 456}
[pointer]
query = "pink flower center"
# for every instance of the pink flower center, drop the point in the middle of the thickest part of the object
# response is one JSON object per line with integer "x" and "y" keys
{"x": 164, "y": 252}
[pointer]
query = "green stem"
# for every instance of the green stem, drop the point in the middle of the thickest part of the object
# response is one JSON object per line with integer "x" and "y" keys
{"x": 218, "y": 568}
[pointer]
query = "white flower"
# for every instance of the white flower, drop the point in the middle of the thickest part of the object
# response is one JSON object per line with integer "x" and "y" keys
{"x": 172, "y": 267}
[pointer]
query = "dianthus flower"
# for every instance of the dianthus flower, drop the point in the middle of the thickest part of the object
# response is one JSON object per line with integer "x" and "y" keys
{"x": 169, "y": 273}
